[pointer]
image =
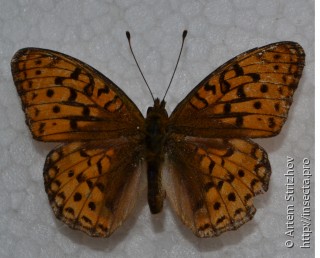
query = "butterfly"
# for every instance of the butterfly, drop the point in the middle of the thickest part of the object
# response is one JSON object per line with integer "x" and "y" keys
{"x": 201, "y": 156}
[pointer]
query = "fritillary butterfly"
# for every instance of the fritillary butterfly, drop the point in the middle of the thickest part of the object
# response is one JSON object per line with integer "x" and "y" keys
{"x": 200, "y": 157}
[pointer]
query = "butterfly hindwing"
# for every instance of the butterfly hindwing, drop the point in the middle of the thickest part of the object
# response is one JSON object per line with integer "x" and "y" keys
{"x": 65, "y": 99}
{"x": 249, "y": 96}
{"x": 92, "y": 186}
{"x": 211, "y": 183}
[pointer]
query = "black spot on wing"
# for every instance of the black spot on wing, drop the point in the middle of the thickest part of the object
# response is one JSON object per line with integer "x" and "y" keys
{"x": 56, "y": 109}
{"x": 239, "y": 121}
{"x": 75, "y": 74}
{"x": 264, "y": 88}
{"x": 50, "y": 93}
{"x": 73, "y": 124}
{"x": 77, "y": 197}
{"x": 255, "y": 76}
{"x": 105, "y": 90}
{"x": 227, "y": 108}
{"x": 73, "y": 95}
{"x": 208, "y": 186}
{"x": 257, "y": 105}
{"x": 86, "y": 111}
{"x": 92, "y": 206}
{"x": 211, "y": 88}
{"x": 217, "y": 206}
{"x": 204, "y": 101}
{"x": 240, "y": 92}
{"x": 58, "y": 80}
{"x": 238, "y": 70}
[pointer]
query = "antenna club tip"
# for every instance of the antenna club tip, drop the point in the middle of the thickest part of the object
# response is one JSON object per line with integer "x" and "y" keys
{"x": 128, "y": 35}
{"x": 184, "y": 34}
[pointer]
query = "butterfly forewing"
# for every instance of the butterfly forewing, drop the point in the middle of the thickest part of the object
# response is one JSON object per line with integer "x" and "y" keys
{"x": 249, "y": 96}
{"x": 65, "y": 99}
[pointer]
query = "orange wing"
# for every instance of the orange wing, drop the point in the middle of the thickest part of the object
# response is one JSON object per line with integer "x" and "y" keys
{"x": 213, "y": 169}
{"x": 65, "y": 99}
{"x": 211, "y": 182}
{"x": 249, "y": 96}
{"x": 92, "y": 186}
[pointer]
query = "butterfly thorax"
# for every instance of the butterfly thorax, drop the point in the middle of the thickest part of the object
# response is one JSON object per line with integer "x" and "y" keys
{"x": 155, "y": 128}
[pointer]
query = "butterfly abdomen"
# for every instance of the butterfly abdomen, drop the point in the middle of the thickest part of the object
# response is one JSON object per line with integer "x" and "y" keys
{"x": 155, "y": 128}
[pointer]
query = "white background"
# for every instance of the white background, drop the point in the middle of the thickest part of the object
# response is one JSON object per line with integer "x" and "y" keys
{"x": 94, "y": 31}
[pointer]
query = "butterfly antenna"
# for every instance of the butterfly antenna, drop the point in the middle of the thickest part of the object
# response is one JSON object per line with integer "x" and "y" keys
{"x": 128, "y": 36}
{"x": 184, "y": 34}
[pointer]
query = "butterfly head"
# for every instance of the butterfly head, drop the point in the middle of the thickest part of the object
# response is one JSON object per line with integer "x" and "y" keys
{"x": 158, "y": 109}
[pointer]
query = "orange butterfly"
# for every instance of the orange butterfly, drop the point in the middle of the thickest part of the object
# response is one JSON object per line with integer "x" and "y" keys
{"x": 200, "y": 156}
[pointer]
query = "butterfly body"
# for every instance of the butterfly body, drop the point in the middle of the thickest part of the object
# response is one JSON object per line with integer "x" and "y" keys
{"x": 156, "y": 134}
{"x": 201, "y": 156}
